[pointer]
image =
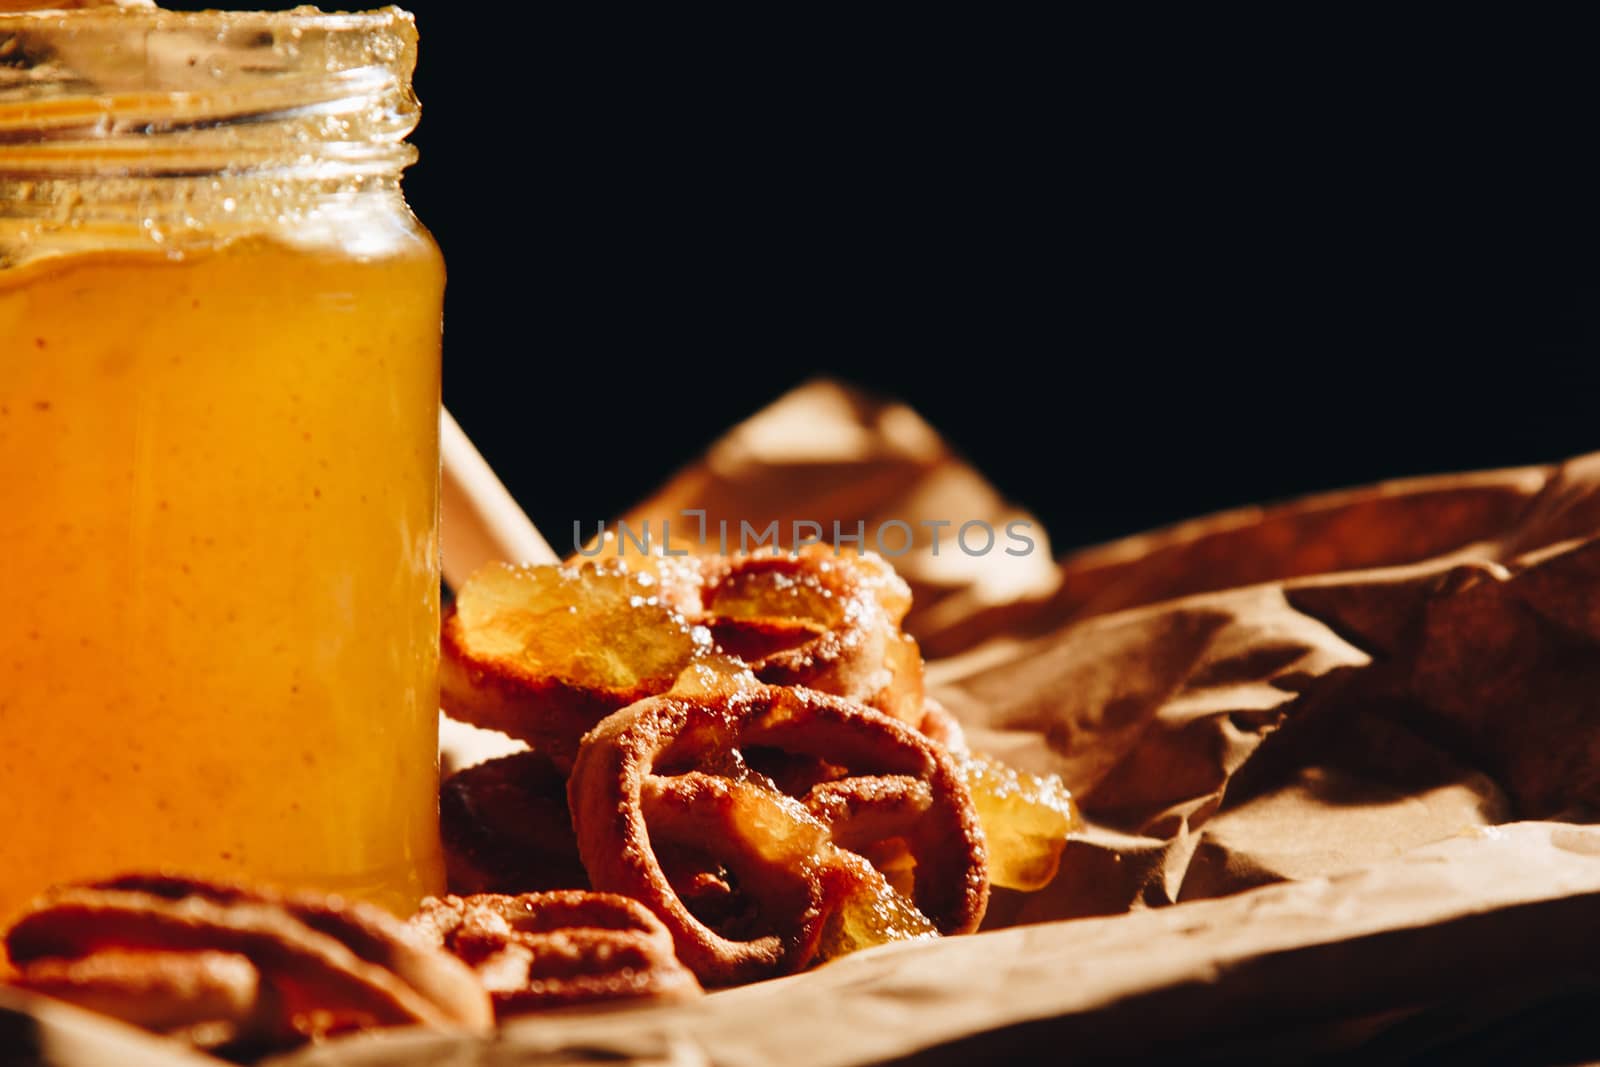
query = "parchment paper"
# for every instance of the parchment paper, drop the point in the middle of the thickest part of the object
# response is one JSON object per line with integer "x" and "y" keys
{"x": 1334, "y": 757}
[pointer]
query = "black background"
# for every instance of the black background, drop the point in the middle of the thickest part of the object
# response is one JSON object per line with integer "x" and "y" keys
{"x": 1135, "y": 272}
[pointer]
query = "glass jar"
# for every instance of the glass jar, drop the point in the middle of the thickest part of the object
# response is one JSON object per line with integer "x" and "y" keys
{"x": 219, "y": 395}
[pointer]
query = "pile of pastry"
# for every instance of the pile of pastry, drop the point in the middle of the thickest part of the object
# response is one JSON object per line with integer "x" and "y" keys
{"x": 740, "y": 743}
{"x": 732, "y": 772}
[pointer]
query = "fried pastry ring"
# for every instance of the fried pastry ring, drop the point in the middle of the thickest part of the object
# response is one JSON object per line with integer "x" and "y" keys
{"x": 164, "y": 992}
{"x": 506, "y": 829}
{"x": 519, "y": 653}
{"x": 671, "y": 776}
{"x": 176, "y": 953}
{"x": 818, "y": 618}
{"x": 548, "y": 950}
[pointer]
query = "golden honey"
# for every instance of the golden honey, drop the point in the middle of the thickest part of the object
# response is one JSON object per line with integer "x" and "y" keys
{"x": 219, "y": 482}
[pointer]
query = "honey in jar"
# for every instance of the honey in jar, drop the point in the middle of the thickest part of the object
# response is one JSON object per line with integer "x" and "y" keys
{"x": 219, "y": 388}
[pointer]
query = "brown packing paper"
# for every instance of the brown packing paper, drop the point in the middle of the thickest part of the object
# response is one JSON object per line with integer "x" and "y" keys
{"x": 1245, "y": 974}
{"x": 1269, "y": 693}
{"x": 1303, "y": 727}
{"x": 1476, "y": 928}
{"x": 1327, "y": 713}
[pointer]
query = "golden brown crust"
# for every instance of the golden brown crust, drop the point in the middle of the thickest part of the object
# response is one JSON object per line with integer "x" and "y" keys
{"x": 159, "y": 991}
{"x": 821, "y": 619}
{"x": 538, "y": 951}
{"x": 324, "y": 964}
{"x": 372, "y": 934}
{"x": 640, "y": 789}
{"x": 816, "y": 618}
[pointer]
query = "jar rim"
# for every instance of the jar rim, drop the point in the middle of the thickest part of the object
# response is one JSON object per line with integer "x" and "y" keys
{"x": 143, "y": 120}
{"x": 305, "y": 16}
{"x": 181, "y": 92}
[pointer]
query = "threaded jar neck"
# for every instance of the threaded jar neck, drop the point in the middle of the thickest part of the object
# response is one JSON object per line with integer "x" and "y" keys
{"x": 205, "y": 122}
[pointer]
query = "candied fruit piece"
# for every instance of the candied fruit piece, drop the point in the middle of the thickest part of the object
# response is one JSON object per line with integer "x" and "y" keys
{"x": 873, "y": 913}
{"x": 715, "y": 676}
{"x": 1026, "y": 820}
{"x": 546, "y": 619}
{"x": 754, "y": 592}
{"x": 818, "y": 584}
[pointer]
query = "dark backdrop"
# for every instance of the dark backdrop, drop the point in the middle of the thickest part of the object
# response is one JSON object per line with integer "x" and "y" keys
{"x": 1136, "y": 273}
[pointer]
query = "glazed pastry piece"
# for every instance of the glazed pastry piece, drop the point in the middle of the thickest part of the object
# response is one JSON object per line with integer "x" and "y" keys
{"x": 181, "y": 993}
{"x": 766, "y": 825}
{"x": 537, "y": 951}
{"x": 229, "y": 964}
{"x": 543, "y": 653}
{"x": 820, "y": 618}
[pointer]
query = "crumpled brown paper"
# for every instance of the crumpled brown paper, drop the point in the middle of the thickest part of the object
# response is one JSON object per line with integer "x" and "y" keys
{"x": 1265, "y": 694}
{"x": 1341, "y": 716}
{"x": 1307, "y": 724}
{"x": 1271, "y": 974}
{"x": 1268, "y": 694}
